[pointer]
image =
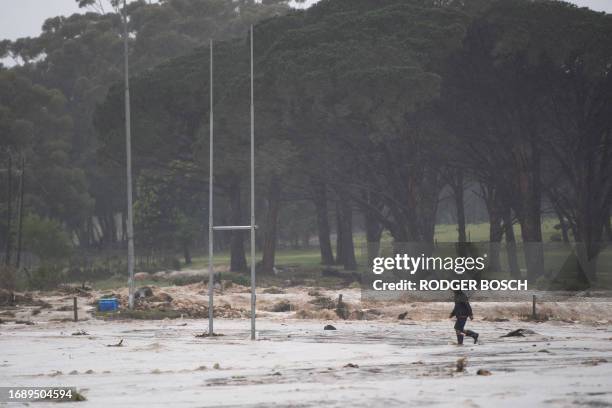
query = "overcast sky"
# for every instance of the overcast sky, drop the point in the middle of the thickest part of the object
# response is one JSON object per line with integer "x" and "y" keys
{"x": 23, "y": 18}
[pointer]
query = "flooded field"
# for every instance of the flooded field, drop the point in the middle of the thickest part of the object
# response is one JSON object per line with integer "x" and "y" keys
{"x": 295, "y": 363}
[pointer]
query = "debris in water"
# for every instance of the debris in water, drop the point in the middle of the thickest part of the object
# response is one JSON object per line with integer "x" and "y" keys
{"x": 162, "y": 297}
{"x": 595, "y": 361}
{"x": 519, "y": 333}
{"x": 77, "y": 396}
{"x": 495, "y": 319}
{"x": 482, "y": 371}
{"x": 329, "y": 327}
{"x": 143, "y": 292}
{"x": 273, "y": 291}
{"x": 120, "y": 344}
{"x": 282, "y": 306}
{"x": 341, "y": 308}
{"x": 205, "y": 334}
{"x": 461, "y": 364}
{"x": 26, "y": 322}
{"x": 323, "y": 302}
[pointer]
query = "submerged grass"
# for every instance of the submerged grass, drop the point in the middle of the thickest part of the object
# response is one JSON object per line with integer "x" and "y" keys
{"x": 127, "y": 314}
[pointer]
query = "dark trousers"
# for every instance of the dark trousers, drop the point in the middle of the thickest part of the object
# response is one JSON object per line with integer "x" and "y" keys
{"x": 460, "y": 330}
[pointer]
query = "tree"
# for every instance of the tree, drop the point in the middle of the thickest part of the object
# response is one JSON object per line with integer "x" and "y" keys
{"x": 33, "y": 124}
{"x": 498, "y": 99}
{"x": 578, "y": 113}
{"x": 537, "y": 93}
{"x": 81, "y": 57}
{"x": 343, "y": 83}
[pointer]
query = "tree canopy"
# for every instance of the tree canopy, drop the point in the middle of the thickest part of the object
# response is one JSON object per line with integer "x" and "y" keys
{"x": 375, "y": 106}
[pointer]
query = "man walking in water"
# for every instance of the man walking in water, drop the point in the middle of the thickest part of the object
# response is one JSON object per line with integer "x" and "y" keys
{"x": 462, "y": 311}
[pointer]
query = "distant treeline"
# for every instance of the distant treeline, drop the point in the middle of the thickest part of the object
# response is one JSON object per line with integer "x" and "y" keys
{"x": 369, "y": 114}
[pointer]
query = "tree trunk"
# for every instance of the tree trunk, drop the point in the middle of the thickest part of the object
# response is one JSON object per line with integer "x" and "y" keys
{"x": 109, "y": 228}
{"x": 458, "y": 192}
{"x": 531, "y": 233}
{"x": 590, "y": 225}
{"x": 346, "y": 240}
{"x": 515, "y": 271}
{"x": 238, "y": 261}
{"x": 123, "y": 227}
{"x": 113, "y": 227}
{"x": 103, "y": 229}
{"x": 495, "y": 236}
{"x": 319, "y": 198}
{"x": 529, "y": 203}
{"x": 457, "y": 185}
{"x": 339, "y": 233}
{"x": 491, "y": 197}
{"x": 269, "y": 245}
{"x": 426, "y": 200}
{"x": 186, "y": 253}
{"x": 373, "y": 235}
{"x": 91, "y": 239}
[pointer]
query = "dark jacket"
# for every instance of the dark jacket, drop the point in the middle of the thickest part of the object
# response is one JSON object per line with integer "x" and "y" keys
{"x": 462, "y": 309}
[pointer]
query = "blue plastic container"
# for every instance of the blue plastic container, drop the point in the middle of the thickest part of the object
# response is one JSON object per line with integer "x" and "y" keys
{"x": 108, "y": 305}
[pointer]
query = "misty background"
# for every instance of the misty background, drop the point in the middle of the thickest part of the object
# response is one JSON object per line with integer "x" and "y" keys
{"x": 378, "y": 122}
{"x": 24, "y": 18}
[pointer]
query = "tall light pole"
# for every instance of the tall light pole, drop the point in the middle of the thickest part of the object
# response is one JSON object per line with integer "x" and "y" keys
{"x": 252, "y": 223}
{"x": 9, "y": 211}
{"x": 20, "y": 217}
{"x": 128, "y": 150}
{"x": 211, "y": 272}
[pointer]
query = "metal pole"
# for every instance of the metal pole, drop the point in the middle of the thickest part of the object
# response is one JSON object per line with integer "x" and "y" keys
{"x": 252, "y": 199}
{"x": 128, "y": 149}
{"x": 9, "y": 211}
{"x": 75, "y": 309}
{"x": 210, "y": 204}
{"x": 20, "y": 225}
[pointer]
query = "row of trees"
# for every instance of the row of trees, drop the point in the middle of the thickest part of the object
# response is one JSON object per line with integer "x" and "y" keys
{"x": 366, "y": 109}
{"x": 378, "y": 105}
{"x": 48, "y": 99}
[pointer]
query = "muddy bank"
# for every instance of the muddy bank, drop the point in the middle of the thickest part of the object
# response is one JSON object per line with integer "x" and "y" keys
{"x": 299, "y": 302}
